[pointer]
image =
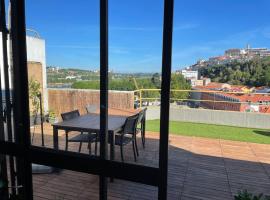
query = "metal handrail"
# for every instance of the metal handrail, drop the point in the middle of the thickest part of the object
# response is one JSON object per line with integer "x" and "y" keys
{"x": 207, "y": 91}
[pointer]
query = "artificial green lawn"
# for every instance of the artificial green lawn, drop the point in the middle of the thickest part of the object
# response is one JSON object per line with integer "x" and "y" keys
{"x": 214, "y": 131}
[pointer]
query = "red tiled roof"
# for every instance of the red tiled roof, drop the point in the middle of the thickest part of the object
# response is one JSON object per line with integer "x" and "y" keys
{"x": 235, "y": 88}
{"x": 251, "y": 97}
{"x": 265, "y": 109}
{"x": 212, "y": 85}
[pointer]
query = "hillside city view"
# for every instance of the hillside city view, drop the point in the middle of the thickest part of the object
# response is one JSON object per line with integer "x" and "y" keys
{"x": 246, "y": 71}
{"x": 128, "y": 100}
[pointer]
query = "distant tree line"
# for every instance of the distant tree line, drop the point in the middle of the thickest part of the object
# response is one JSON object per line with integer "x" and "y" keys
{"x": 127, "y": 84}
{"x": 252, "y": 73}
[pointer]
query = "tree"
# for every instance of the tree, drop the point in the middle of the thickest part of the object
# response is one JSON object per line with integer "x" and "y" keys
{"x": 127, "y": 84}
{"x": 156, "y": 80}
{"x": 178, "y": 82}
{"x": 252, "y": 73}
{"x": 267, "y": 76}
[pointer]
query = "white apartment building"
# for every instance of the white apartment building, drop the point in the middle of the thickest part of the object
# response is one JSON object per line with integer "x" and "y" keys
{"x": 35, "y": 53}
{"x": 189, "y": 74}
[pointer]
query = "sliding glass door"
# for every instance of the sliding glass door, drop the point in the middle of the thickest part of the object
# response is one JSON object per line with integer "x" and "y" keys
{"x": 15, "y": 125}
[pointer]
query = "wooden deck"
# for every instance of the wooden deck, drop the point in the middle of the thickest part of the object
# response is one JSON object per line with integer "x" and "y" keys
{"x": 199, "y": 168}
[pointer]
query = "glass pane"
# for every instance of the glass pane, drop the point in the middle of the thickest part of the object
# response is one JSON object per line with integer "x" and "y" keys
{"x": 5, "y": 80}
{"x": 135, "y": 52}
{"x": 62, "y": 52}
{"x": 219, "y": 115}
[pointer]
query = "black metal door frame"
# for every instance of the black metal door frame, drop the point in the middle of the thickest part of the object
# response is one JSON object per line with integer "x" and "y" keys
{"x": 28, "y": 154}
{"x": 103, "y": 93}
{"x": 165, "y": 97}
{"x": 7, "y": 99}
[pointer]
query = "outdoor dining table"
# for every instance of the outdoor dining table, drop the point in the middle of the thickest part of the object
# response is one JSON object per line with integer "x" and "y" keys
{"x": 90, "y": 123}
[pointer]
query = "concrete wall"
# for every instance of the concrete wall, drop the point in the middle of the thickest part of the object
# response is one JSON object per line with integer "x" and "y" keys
{"x": 64, "y": 100}
{"x": 230, "y": 118}
{"x": 35, "y": 53}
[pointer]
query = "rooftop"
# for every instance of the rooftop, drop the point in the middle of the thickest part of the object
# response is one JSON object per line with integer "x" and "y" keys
{"x": 248, "y": 97}
{"x": 199, "y": 168}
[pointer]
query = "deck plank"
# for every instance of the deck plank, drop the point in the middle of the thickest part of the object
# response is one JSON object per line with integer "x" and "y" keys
{"x": 199, "y": 168}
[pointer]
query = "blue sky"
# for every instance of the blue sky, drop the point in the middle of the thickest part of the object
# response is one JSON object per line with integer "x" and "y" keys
{"x": 202, "y": 28}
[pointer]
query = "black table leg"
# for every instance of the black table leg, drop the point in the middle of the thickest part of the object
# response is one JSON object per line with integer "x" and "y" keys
{"x": 143, "y": 130}
{"x": 55, "y": 138}
{"x": 55, "y": 145}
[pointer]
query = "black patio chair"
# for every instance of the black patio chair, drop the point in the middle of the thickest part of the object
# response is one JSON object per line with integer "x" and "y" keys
{"x": 127, "y": 135}
{"x": 82, "y": 137}
{"x": 141, "y": 126}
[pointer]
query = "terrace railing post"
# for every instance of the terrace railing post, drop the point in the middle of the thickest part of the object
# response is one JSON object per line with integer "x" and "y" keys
{"x": 20, "y": 95}
{"x": 165, "y": 98}
{"x": 103, "y": 92}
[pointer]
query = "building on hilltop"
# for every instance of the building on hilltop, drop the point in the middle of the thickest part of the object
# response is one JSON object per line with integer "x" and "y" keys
{"x": 53, "y": 69}
{"x": 231, "y": 55}
{"x": 233, "y": 52}
{"x": 193, "y": 78}
{"x": 199, "y": 82}
{"x": 247, "y": 52}
{"x": 261, "y": 52}
{"x": 189, "y": 74}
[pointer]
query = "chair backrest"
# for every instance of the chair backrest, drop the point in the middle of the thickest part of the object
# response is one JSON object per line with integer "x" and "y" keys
{"x": 70, "y": 115}
{"x": 141, "y": 115}
{"x": 91, "y": 108}
{"x": 130, "y": 124}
